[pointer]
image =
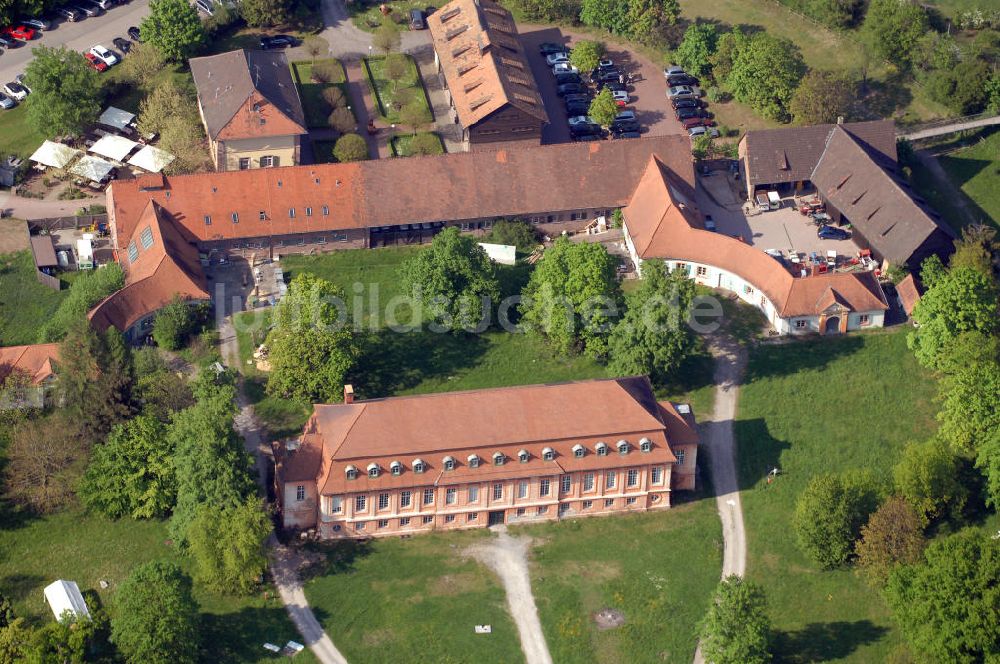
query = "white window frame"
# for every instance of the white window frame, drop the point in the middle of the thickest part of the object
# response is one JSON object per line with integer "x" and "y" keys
{"x": 360, "y": 503}
{"x": 588, "y": 482}
{"x": 544, "y": 486}
{"x": 450, "y": 495}
{"x": 405, "y": 498}
{"x": 498, "y": 491}
{"x": 473, "y": 494}
{"x": 565, "y": 483}
{"x": 632, "y": 478}
{"x": 610, "y": 479}
{"x": 656, "y": 475}
{"x": 383, "y": 501}
{"x": 522, "y": 489}
{"x": 300, "y": 493}
{"x": 428, "y": 497}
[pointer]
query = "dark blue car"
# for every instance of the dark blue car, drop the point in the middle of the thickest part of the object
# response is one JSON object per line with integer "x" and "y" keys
{"x": 832, "y": 233}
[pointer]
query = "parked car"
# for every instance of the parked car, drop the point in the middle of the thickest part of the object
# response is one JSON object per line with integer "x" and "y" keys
{"x": 16, "y": 90}
{"x": 682, "y": 92}
{"x": 577, "y": 97}
{"x": 588, "y": 137}
{"x": 710, "y": 223}
{"x": 95, "y": 62}
{"x": 69, "y": 14}
{"x": 564, "y": 68}
{"x": 19, "y": 32}
{"x": 576, "y": 131}
{"x": 6, "y": 102}
{"x": 133, "y": 34}
{"x": 37, "y": 23}
{"x": 88, "y": 10}
{"x": 206, "y": 7}
{"x": 580, "y": 119}
{"x": 625, "y": 134}
{"x": 624, "y": 125}
{"x": 553, "y": 59}
{"x": 682, "y": 79}
{"x": 7, "y": 42}
{"x": 103, "y": 4}
{"x": 277, "y": 41}
{"x": 672, "y": 70}
{"x": 614, "y": 86}
{"x": 550, "y": 48}
{"x": 20, "y": 80}
{"x": 694, "y": 132}
{"x": 122, "y": 45}
{"x": 621, "y": 97}
{"x": 569, "y": 88}
{"x": 605, "y": 64}
{"x": 697, "y": 122}
{"x": 568, "y": 77}
{"x": 104, "y": 55}
{"x": 625, "y": 115}
{"x": 577, "y": 108}
{"x": 832, "y": 233}
{"x": 417, "y": 21}
{"x": 685, "y": 103}
{"x": 607, "y": 75}
{"x": 685, "y": 113}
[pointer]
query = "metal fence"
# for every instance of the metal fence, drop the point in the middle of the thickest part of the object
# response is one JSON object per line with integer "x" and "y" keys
{"x": 75, "y": 222}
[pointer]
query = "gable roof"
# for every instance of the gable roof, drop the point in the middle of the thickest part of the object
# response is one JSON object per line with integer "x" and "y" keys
{"x": 663, "y": 223}
{"x": 33, "y": 361}
{"x": 909, "y": 293}
{"x": 245, "y": 94}
{"x": 452, "y": 187}
{"x": 790, "y": 154}
{"x": 878, "y": 204}
{"x": 483, "y": 60}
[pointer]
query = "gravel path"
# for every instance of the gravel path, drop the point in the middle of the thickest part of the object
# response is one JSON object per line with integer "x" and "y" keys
{"x": 717, "y": 438}
{"x": 508, "y": 557}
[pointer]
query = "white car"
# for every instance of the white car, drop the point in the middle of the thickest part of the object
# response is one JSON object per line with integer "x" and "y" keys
{"x": 625, "y": 115}
{"x": 682, "y": 92}
{"x": 620, "y": 96}
{"x": 556, "y": 58}
{"x": 580, "y": 120}
{"x": 673, "y": 70}
{"x": 104, "y": 55}
{"x": 15, "y": 90}
{"x": 694, "y": 132}
{"x": 564, "y": 68}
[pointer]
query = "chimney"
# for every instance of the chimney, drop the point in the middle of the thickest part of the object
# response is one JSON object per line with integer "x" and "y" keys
{"x": 348, "y": 394}
{"x": 840, "y": 119}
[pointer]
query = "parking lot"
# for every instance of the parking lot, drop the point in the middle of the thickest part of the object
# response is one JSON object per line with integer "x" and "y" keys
{"x": 648, "y": 92}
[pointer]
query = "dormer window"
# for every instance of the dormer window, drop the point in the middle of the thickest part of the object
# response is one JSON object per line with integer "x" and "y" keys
{"x": 352, "y": 473}
{"x": 449, "y": 463}
{"x": 396, "y": 468}
{"x": 601, "y": 449}
{"x": 522, "y": 456}
{"x": 645, "y": 444}
{"x": 499, "y": 458}
{"x": 622, "y": 447}
{"x": 473, "y": 461}
{"x": 578, "y": 451}
{"x": 548, "y": 454}
{"x": 418, "y": 466}
{"x": 373, "y": 470}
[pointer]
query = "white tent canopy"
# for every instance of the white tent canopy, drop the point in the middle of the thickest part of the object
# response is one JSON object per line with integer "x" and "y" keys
{"x": 151, "y": 159}
{"x": 65, "y": 596}
{"x": 94, "y": 169}
{"x": 55, "y": 155}
{"x": 114, "y": 147}
{"x": 116, "y": 117}
{"x": 504, "y": 254}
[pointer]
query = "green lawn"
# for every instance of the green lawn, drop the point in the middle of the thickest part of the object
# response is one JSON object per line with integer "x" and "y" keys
{"x": 401, "y": 144}
{"x": 823, "y": 406}
{"x": 25, "y": 304}
{"x": 413, "y": 600}
{"x": 658, "y": 569}
{"x": 976, "y": 170}
{"x": 17, "y": 137}
{"x": 317, "y": 110}
{"x": 388, "y": 93}
{"x": 34, "y": 551}
{"x": 367, "y": 16}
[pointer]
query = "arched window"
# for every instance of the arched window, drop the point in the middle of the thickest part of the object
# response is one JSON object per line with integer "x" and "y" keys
{"x": 645, "y": 444}
{"x": 352, "y": 473}
{"x": 396, "y": 468}
{"x": 418, "y": 466}
{"x": 499, "y": 458}
{"x": 601, "y": 449}
{"x": 373, "y": 470}
{"x": 548, "y": 454}
{"x": 622, "y": 447}
{"x": 578, "y": 451}
{"x": 522, "y": 456}
{"x": 473, "y": 460}
{"x": 449, "y": 463}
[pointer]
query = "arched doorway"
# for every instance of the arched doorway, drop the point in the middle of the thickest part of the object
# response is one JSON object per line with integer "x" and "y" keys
{"x": 832, "y": 325}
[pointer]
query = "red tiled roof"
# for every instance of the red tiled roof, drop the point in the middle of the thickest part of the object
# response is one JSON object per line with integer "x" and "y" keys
{"x": 663, "y": 223}
{"x": 33, "y": 361}
{"x": 383, "y": 192}
{"x": 908, "y": 293}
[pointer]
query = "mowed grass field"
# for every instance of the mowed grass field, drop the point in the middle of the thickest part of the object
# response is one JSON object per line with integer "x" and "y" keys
{"x": 25, "y": 304}
{"x": 976, "y": 171}
{"x": 813, "y": 407}
{"x": 659, "y": 569}
{"x": 413, "y": 600}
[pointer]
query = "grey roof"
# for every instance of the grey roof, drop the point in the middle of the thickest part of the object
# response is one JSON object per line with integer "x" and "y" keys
{"x": 225, "y": 81}
{"x": 790, "y": 154}
{"x": 877, "y": 202}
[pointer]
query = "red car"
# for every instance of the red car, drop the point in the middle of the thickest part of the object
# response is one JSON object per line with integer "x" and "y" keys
{"x": 697, "y": 122}
{"x": 19, "y": 32}
{"x": 95, "y": 62}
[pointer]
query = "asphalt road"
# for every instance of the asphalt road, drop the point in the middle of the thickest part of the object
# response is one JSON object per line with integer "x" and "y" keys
{"x": 79, "y": 36}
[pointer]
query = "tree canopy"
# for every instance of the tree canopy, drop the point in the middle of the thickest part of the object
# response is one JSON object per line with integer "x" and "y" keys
{"x": 228, "y": 545}
{"x": 156, "y": 617}
{"x": 572, "y": 297}
{"x": 174, "y": 28}
{"x": 65, "y": 92}
{"x": 518, "y": 233}
{"x": 635, "y": 19}
{"x": 928, "y": 478}
{"x": 586, "y": 54}
{"x": 454, "y": 280}
{"x": 87, "y": 289}
{"x": 895, "y": 28}
{"x": 829, "y": 514}
{"x": 350, "y": 147}
{"x": 893, "y": 536}
{"x": 760, "y": 70}
{"x": 603, "y": 108}
{"x": 174, "y": 324}
{"x": 737, "y": 629}
{"x": 822, "y": 97}
{"x": 697, "y": 48}
{"x": 265, "y": 13}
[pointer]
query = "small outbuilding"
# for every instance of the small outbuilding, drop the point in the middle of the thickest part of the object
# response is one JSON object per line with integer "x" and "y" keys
{"x": 65, "y": 596}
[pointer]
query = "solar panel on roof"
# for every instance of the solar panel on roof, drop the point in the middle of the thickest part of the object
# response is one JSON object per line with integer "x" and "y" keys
{"x": 133, "y": 252}
{"x": 146, "y": 237}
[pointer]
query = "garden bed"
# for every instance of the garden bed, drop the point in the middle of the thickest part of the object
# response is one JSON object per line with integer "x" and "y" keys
{"x": 400, "y": 145}
{"x": 316, "y": 109}
{"x": 388, "y": 93}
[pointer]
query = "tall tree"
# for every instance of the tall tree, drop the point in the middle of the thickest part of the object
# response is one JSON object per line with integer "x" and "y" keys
{"x": 895, "y": 28}
{"x": 142, "y": 65}
{"x": 228, "y": 545}
{"x": 653, "y": 337}
{"x": 697, "y": 48}
{"x": 893, "y": 536}
{"x": 386, "y": 38}
{"x": 65, "y": 93}
{"x": 586, "y": 54}
{"x": 573, "y": 297}
{"x": 823, "y": 97}
{"x": 174, "y": 28}
{"x": 603, "y": 109}
{"x": 829, "y": 514}
{"x": 264, "y": 13}
{"x": 132, "y": 474}
{"x": 44, "y": 461}
{"x": 928, "y": 478}
{"x": 311, "y": 348}
{"x": 173, "y": 324}
{"x": 947, "y": 605}
{"x": 736, "y": 629}
{"x": 156, "y": 617}
{"x": 454, "y": 280}
{"x": 765, "y": 72}
{"x": 350, "y": 147}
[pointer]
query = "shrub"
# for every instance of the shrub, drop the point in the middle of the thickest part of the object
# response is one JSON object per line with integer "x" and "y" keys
{"x": 350, "y": 147}
{"x": 86, "y": 291}
{"x": 342, "y": 120}
{"x": 518, "y": 233}
{"x": 334, "y": 96}
{"x": 328, "y": 71}
{"x": 829, "y": 514}
{"x": 893, "y": 536}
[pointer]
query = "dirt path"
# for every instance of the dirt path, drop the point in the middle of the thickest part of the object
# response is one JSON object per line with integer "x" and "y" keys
{"x": 717, "y": 439}
{"x": 931, "y": 163}
{"x": 508, "y": 557}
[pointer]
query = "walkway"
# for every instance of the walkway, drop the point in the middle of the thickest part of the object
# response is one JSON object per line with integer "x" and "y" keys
{"x": 508, "y": 557}
{"x": 363, "y": 105}
{"x": 284, "y": 565}
{"x": 717, "y": 440}
{"x": 933, "y": 166}
{"x": 951, "y": 126}
{"x": 34, "y": 208}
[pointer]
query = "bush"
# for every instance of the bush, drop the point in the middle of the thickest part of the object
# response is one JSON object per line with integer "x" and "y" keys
{"x": 893, "y": 536}
{"x": 328, "y": 71}
{"x": 342, "y": 120}
{"x": 518, "y": 233}
{"x": 927, "y": 477}
{"x": 334, "y": 96}
{"x": 84, "y": 293}
{"x": 350, "y": 147}
{"x": 829, "y": 514}
{"x": 173, "y": 324}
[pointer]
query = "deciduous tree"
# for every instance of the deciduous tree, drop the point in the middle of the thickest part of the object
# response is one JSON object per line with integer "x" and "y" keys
{"x": 65, "y": 94}
{"x": 228, "y": 546}
{"x": 764, "y": 74}
{"x": 156, "y": 620}
{"x": 518, "y": 233}
{"x": 315, "y": 46}
{"x": 142, "y": 65}
{"x": 425, "y": 144}
{"x": 697, "y": 48}
{"x": 45, "y": 460}
{"x": 174, "y": 28}
{"x": 414, "y": 115}
{"x": 386, "y": 38}
{"x": 264, "y": 13}
{"x": 895, "y": 27}
{"x": 893, "y": 536}
{"x": 342, "y": 120}
{"x": 173, "y": 324}
{"x": 822, "y": 97}
{"x": 334, "y": 96}
{"x": 586, "y": 54}
{"x": 396, "y": 67}
{"x": 350, "y": 147}
{"x": 87, "y": 290}
{"x": 737, "y": 629}
{"x": 455, "y": 281}
{"x": 829, "y": 514}
{"x": 927, "y": 476}
{"x": 603, "y": 108}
